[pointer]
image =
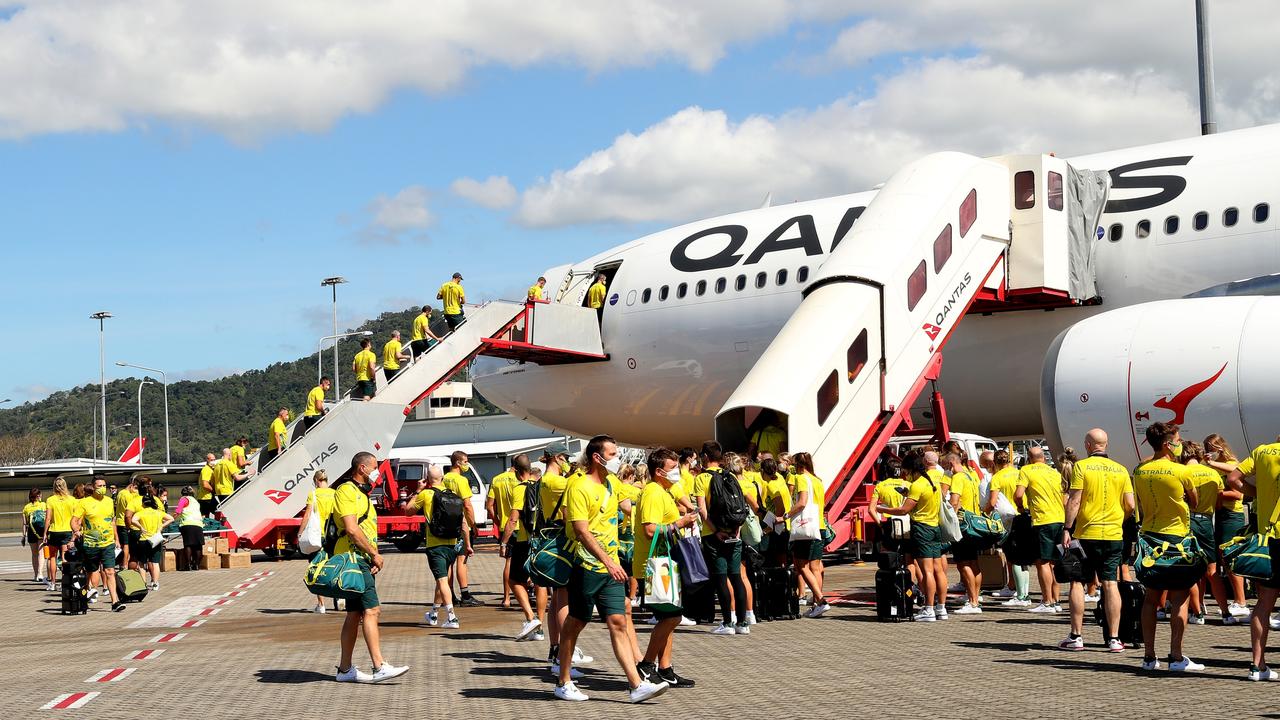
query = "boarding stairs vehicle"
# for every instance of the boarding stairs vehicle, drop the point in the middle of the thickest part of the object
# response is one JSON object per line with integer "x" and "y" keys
{"x": 261, "y": 513}
{"x": 947, "y": 234}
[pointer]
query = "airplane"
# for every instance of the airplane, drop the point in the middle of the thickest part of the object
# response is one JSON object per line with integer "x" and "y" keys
{"x": 692, "y": 310}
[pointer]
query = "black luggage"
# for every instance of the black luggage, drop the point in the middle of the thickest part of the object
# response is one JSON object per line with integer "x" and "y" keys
{"x": 895, "y": 601}
{"x": 700, "y": 604}
{"x": 1068, "y": 565}
{"x": 1132, "y": 595}
{"x": 75, "y": 588}
{"x": 776, "y": 594}
{"x": 1022, "y": 546}
{"x": 130, "y": 586}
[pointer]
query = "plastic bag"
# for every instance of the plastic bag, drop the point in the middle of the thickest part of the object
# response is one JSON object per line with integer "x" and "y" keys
{"x": 310, "y": 538}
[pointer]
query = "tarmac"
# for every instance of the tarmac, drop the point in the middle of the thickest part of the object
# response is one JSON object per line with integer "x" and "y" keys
{"x": 244, "y": 644}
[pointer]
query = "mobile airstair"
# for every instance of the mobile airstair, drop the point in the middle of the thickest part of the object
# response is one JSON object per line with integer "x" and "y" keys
{"x": 946, "y": 231}
{"x": 532, "y": 331}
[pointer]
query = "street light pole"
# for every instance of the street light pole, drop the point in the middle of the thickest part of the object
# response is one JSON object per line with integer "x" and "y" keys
{"x": 101, "y": 316}
{"x": 139, "y": 436}
{"x": 334, "y": 282}
{"x": 164, "y": 380}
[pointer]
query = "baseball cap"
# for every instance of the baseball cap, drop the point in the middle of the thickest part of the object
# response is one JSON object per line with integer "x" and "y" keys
{"x": 555, "y": 449}
{"x": 457, "y": 276}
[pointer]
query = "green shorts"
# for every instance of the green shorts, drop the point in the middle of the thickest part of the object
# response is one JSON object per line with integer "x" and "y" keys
{"x": 518, "y": 553}
{"x": 1202, "y": 528}
{"x": 99, "y": 557}
{"x": 723, "y": 558}
{"x": 1050, "y": 537}
{"x": 369, "y": 598}
{"x": 589, "y": 590}
{"x": 926, "y": 541}
{"x": 1102, "y": 557}
{"x": 440, "y": 558}
{"x": 1227, "y": 525}
{"x": 365, "y": 388}
{"x": 150, "y": 553}
{"x": 806, "y": 549}
{"x": 58, "y": 539}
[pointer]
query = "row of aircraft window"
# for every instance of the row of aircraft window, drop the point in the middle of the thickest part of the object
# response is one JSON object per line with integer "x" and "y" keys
{"x": 1199, "y": 221}
{"x": 721, "y": 285}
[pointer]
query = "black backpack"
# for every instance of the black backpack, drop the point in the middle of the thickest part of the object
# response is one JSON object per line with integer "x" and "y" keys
{"x": 726, "y": 508}
{"x": 446, "y": 515}
{"x": 532, "y": 510}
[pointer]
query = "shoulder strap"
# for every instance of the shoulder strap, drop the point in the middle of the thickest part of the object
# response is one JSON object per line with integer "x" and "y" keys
{"x": 1275, "y": 517}
{"x": 555, "y": 510}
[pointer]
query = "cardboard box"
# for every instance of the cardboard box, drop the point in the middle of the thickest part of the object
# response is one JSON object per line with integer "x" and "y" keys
{"x": 170, "y": 561}
{"x": 210, "y": 561}
{"x": 236, "y": 560}
{"x": 991, "y": 565}
{"x": 221, "y": 545}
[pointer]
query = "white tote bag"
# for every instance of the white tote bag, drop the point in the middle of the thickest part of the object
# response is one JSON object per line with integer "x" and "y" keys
{"x": 309, "y": 538}
{"x": 949, "y": 521}
{"x": 807, "y": 526}
{"x": 661, "y": 578}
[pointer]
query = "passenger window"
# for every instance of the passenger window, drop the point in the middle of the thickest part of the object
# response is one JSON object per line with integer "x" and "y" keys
{"x": 942, "y": 249}
{"x": 701, "y": 288}
{"x": 916, "y": 285}
{"x": 1260, "y": 212}
{"x": 1024, "y": 190}
{"x": 721, "y": 283}
{"x": 802, "y": 274}
{"x": 828, "y": 396}
{"x": 761, "y": 279}
{"x": 856, "y": 357}
{"x": 1116, "y": 232}
{"x": 968, "y": 212}
{"x": 644, "y": 296}
{"x": 1143, "y": 229}
{"x": 740, "y": 284}
{"x": 1200, "y": 221}
{"x": 1171, "y": 225}
{"x": 662, "y": 293}
{"x": 1055, "y": 190}
{"x": 681, "y": 290}
{"x": 1230, "y": 217}
{"x": 782, "y": 277}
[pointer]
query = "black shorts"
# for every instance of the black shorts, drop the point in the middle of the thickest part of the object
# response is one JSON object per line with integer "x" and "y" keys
{"x": 365, "y": 388}
{"x": 390, "y": 372}
{"x": 518, "y": 553}
{"x": 454, "y": 320}
{"x": 136, "y": 551}
{"x": 966, "y": 550}
{"x": 192, "y": 536}
{"x": 207, "y": 506}
{"x": 33, "y": 538}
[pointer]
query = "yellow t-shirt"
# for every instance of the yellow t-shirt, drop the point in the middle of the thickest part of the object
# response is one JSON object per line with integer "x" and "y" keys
{"x": 751, "y": 482}
{"x": 1043, "y": 493}
{"x": 595, "y": 296}
{"x": 1161, "y": 487}
{"x": 626, "y": 526}
{"x": 769, "y": 439}
{"x": 1264, "y": 465}
{"x": 314, "y": 398}
{"x": 655, "y": 506}
{"x": 1005, "y": 481}
{"x": 206, "y": 476}
{"x": 391, "y": 355}
{"x": 966, "y": 486}
{"x": 124, "y": 497}
{"x": 238, "y": 457}
{"x": 698, "y": 494}
{"x": 96, "y": 518}
{"x": 498, "y": 488}
{"x": 597, "y": 504}
{"x": 812, "y": 485}
{"x": 30, "y": 508}
{"x": 549, "y": 492}
{"x": 149, "y": 519}
{"x": 777, "y": 488}
{"x": 453, "y": 297}
{"x": 892, "y": 492}
{"x": 349, "y": 500}
{"x": 535, "y": 292}
{"x": 420, "y": 327}
{"x": 322, "y": 500}
{"x": 514, "y": 493}
{"x": 938, "y": 476}
{"x": 1208, "y": 483}
{"x": 928, "y": 496}
{"x": 422, "y": 501}
{"x": 365, "y": 361}
{"x": 59, "y": 509}
{"x": 224, "y": 477}
{"x": 458, "y": 484}
{"x": 1235, "y": 506}
{"x": 277, "y": 429}
{"x": 1102, "y": 483}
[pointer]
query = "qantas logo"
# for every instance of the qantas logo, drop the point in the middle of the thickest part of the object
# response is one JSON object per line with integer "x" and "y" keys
{"x": 932, "y": 331}
{"x": 276, "y": 496}
{"x": 1178, "y": 404}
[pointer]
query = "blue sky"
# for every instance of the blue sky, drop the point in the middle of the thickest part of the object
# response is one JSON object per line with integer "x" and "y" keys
{"x": 204, "y": 217}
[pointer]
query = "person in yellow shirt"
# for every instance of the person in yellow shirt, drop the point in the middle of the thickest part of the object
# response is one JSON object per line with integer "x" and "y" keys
{"x": 1004, "y": 484}
{"x": 60, "y": 508}
{"x": 551, "y": 491}
{"x": 1099, "y": 498}
{"x": 629, "y": 486}
{"x": 808, "y": 553}
{"x": 1209, "y": 488}
{"x": 422, "y": 338}
{"x": 770, "y": 438}
{"x": 597, "y": 581}
{"x": 777, "y": 528}
{"x": 278, "y": 438}
{"x": 364, "y": 365}
{"x": 963, "y": 497}
{"x": 441, "y": 551}
{"x": 458, "y": 481}
{"x": 150, "y": 519}
{"x": 125, "y": 496}
{"x": 923, "y": 504}
{"x": 497, "y": 510}
{"x": 1040, "y": 492}
{"x": 596, "y": 296}
{"x": 680, "y": 491}
{"x": 34, "y": 517}
{"x": 225, "y": 477}
{"x": 315, "y": 405}
{"x": 1165, "y": 498}
{"x": 392, "y": 356}
{"x": 721, "y": 547}
{"x": 238, "y": 453}
{"x": 535, "y": 290}
{"x": 204, "y": 486}
{"x": 1229, "y": 520}
{"x": 357, "y": 521}
{"x": 320, "y": 502}
{"x": 453, "y": 297}
{"x": 94, "y": 524}
{"x": 514, "y": 540}
{"x": 1258, "y": 476}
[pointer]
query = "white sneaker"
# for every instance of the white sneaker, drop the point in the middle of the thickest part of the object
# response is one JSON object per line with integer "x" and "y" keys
{"x": 1016, "y": 602}
{"x": 1238, "y": 609}
{"x": 925, "y": 615}
{"x": 804, "y": 601}
{"x": 1042, "y": 608}
{"x": 318, "y": 609}
{"x": 528, "y": 628}
{"x": 581, "y": 658}
{"x": 451, "y": 623}
{"x": 1004, "y": 593}
{"x": 50, "y": 586}
{"x": 1275, "y": 622}
{"x": 1263, "y": 674}
{"x": 1234, "y": 620}
{"x": 538, "y": 637}
{"x": 1150, "y": 664}
{"x": 1195, "y": 619}
{"x": 341, "y": 605}
{"x": 569, "y": 691}
{"x": 723, "y": 629}
{"x": 1072, "y": 643}
{"x": 819, "y": 610}
{"x": 686, "y": 621}
{"x": 940, "y": 612}
{"x": 1162, "y": 614}
{"x": 646, "y": 690}
{"x": 742, "y": 629}
{"x": 635, "y": 602}
{"x": 93, "y": 595}
{"x": 1092, "y": 598}
{"x": 574, "y": 673}
{"x": 352, "y": 675}
{"x": 653, "y": 620}
{"x": 1114, "y": 645}
{"x": 969, "y": 609}
{"x": 751, "y": 618}
{"x": 431, "y": 619}
{"x": 1186, "y": 664}
{"x": 387, "y": 672}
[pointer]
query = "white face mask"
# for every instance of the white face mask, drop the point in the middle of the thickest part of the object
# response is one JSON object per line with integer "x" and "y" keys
{"x": 373, "y": 476}
{"x": 614, "y": 465}
{"x": 674, "y": 475}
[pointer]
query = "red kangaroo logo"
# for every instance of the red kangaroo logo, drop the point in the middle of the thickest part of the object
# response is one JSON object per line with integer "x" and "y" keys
{"x": 932, "y": 331}
{"x": 1178, "y": 405}
{"x": 276, "y": 496}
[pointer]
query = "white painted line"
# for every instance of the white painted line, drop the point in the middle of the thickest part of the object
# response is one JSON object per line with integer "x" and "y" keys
{"x": 111, "y": 675}
{"x": 14, "y": 567}
{"x": 175, "y": 613}
{"x": 70, "y": 701}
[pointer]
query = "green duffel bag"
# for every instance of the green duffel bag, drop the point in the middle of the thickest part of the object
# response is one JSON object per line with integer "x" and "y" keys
{"x": 1250, "y": 555}
{"x": 1170, "y": 564}
{"x": 550, "y": 562}
{"x": 338, "y": 576}
{"x": 984, "y": 530}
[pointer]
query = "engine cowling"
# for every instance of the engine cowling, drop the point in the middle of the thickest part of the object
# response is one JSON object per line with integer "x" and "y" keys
{"x": 1211, "y": 365}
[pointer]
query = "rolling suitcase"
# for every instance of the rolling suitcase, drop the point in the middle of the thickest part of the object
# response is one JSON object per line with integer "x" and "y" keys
{"x": 1132, "y": 595}
{"x": 131, "y": 587}
{"x": 75, "y": 588}
{"x": 776, "y": 596}
{"x": 894, "y": 596}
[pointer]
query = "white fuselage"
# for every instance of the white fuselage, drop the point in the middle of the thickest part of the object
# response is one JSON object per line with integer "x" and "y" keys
{"x": 674, "y": 361}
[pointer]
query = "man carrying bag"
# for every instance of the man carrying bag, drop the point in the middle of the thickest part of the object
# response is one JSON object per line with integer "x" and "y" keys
{"x": 1259, "y": 476}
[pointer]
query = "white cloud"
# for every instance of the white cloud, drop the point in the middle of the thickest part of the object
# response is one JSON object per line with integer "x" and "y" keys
{"x": 493, "y": 192}
{"x": 403, "y": 216}
{"x": 248, "y": 67}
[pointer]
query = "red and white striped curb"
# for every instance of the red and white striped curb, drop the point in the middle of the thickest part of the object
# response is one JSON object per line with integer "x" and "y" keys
{"x": 265, "y": 573}
{"x": 111, "y": 675}
{"x": 168, "y": 638}
{"x": 208, "y": 611}
{"x": 192, "y": 624}
{"x": 247, "y": 586}
{"x": 223, "y": 601}
{"x": 234, "y": 593}
{"x": 70, "y": 701}
{"x": 148, "y": 654}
